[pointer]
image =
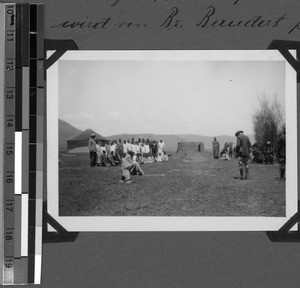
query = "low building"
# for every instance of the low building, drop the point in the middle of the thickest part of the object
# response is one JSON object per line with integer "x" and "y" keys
{"x": 190, "y": 147}
{"x": 79, "y": 143}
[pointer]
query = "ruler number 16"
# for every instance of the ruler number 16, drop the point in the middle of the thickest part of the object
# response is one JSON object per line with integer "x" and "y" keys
{"x": 9, "y": 179}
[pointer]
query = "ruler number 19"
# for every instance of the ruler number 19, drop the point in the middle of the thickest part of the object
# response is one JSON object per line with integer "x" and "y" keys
{"x": 8, "y": 263}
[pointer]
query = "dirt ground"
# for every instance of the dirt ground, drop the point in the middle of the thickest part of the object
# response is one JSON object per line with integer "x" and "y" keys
{"x": 186, "y": 185}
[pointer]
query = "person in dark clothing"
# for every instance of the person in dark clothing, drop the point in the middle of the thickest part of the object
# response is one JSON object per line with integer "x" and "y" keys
{"x": 154, "y": 149}
{"x": 281, "y": 153}
{"x": 231, "y": 150}
{"x": 119, "y": 149}
{"x": 93, "y": 152}
{"x": 216, "y": 148}
{"x": 243, "y": 148}
{"x": 258, "y": 156}
{"x": 269, "y": 153}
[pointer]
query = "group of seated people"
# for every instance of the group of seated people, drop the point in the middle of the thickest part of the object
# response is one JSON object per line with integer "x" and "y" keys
{"x": 141, "y": 151}
{"x": 265, "y": 155}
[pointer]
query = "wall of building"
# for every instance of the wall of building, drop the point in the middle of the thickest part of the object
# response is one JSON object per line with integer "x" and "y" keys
{"x": 190, "y": 147}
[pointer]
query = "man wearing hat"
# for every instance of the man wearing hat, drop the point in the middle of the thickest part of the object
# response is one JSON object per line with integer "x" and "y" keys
{"x": 243, "y": 146}
{"x": 281, "y": 156}
{"x": 93, "y": 151}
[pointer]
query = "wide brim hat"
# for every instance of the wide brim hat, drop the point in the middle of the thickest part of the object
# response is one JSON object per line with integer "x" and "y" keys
{"x": 238, "y": 133}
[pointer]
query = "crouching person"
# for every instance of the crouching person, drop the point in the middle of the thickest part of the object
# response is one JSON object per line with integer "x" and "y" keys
{"x": 164, "y": 157}
{"x": 130, "y": 167}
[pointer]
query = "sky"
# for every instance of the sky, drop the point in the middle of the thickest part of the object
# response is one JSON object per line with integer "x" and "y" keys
{"x": 166, "y": 97}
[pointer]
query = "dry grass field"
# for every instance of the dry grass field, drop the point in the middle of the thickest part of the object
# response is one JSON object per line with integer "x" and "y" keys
{"x": 186, "y": 185}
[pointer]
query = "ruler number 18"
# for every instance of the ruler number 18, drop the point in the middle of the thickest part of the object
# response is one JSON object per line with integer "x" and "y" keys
{"x": 9, "y": 235}
{"x": 9, "y": 94}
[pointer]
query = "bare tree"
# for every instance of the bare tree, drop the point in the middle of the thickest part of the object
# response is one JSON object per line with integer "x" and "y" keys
{"x": 267, "y": 120}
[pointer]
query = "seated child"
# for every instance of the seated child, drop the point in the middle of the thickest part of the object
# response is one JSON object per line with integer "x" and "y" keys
{"x": 164, "y": 157}
{"x": 103, "y": 158}
{"x": 159, "y": 157}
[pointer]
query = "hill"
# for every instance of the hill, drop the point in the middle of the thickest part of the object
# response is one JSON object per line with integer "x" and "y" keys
{"x": 207, "y": 140}
{"x": 65, "y": 131}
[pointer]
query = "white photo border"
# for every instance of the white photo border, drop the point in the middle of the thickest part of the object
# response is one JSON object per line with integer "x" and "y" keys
{"x": 172, "y": 223}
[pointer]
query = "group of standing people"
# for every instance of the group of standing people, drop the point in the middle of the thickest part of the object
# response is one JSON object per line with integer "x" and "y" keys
{"x": 243, "y": 150}
{"x": 227, "y": 152}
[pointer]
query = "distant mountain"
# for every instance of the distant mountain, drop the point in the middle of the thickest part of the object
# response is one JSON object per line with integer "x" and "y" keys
{"x": 207, "y": 140}
{"x": 65, "y": 131}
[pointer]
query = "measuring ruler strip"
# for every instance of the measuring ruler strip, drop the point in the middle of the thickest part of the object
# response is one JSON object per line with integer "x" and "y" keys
{"x": 2, "y": 141}
{"x": 10, "y": 147}
{"x": 40, "y": 140}
{"x": 21, "y": 155}
{"x": 18, "y": 140}
{"x": 25, "y": 127}
{"x": 37, "y": 84}
{"x": 40, "y": 112}
{"x": 24, "y": 83}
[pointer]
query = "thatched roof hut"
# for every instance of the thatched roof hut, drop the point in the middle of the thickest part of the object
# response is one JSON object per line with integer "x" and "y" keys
{"x": 79, "y": 143}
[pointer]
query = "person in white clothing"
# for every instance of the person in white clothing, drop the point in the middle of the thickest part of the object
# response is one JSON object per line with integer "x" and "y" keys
{"x": 125, "y": 147}
{"x": 102, "y": 148}
{"x": 164, "y": 157}
{"x": 137, "y": 148}
{"x": 113, "y": 147}
{"x": 129, "y": 146}
{"x": 129, "y": 166}
{"x": 98, "y": 150}
{"x": 161, "y": 147}
{"x": 147, "y": 148}
{"x": 159, "y": 157}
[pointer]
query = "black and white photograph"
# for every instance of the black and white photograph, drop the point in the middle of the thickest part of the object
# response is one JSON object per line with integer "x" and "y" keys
{"x": 171, "y": 140}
